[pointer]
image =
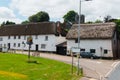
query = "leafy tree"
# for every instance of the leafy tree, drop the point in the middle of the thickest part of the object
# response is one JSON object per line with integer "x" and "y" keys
{"x": 89, "y": 22}
{"x": 118, "y": 25}
{"x": 25, "y": 22}
{"x": 113, "y": 20}
{"x": 107, "y": 18}
{"x": 7, "y": 23}
{"x": 39, "y": 17}
{"x": 98, "y": 21}
{"x": 70, "y": 16}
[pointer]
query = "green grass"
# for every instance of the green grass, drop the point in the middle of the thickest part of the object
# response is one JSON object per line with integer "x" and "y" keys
{"x": 45, "y": 69}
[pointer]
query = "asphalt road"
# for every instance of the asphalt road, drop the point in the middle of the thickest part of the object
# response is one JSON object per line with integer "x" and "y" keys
{"x": 94, "y": 69}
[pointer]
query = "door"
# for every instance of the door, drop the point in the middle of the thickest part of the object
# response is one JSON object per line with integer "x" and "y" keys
{"x": 8, "y": 46}
{"x": 61, "y": 50}
{"x": 37, "y": 47}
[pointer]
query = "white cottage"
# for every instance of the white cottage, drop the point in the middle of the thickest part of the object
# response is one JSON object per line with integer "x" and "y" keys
{"x": 44, "y": 36}
{"x": 95, "y": 38}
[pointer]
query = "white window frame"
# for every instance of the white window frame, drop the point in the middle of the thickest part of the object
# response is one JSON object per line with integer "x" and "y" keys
{"x": 8, "y": 37}
{"x": 46, "y": 38}
{"x": 18, "y": 44}
{"x": 43, "y": 46}
{"x": 1, "y": 39}
{"x": 36, "y": 36}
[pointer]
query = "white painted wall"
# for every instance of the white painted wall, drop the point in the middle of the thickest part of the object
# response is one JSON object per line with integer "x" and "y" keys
{"x": 60, "y": 40}
{"x": 50, "y": 44}
{"x": 92, "y": 44}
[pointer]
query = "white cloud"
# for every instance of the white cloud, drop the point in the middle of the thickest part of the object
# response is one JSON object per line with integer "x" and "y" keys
{"x": 55, "y": 8}
{"x": 4, "y": 12}
{"x": 96, "y": 9}
{"x": 7, "y": 14}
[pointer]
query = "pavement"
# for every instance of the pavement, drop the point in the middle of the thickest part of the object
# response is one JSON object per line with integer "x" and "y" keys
{"x": 93, "y": 69}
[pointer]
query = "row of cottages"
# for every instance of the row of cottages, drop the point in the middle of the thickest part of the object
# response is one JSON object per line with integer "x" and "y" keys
{"x": 99, "y": 38}
{"x": 45, "y": 36}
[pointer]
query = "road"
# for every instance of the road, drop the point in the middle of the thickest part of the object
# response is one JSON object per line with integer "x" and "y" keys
{"x": 94, "y": 69}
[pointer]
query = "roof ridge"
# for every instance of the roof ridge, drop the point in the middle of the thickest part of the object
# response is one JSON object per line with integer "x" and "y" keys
{"x": 109, "y": 23}
{"x": 28, "y": 24}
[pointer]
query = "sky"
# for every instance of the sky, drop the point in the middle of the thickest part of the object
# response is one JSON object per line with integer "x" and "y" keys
{"x": 19, "y": 10}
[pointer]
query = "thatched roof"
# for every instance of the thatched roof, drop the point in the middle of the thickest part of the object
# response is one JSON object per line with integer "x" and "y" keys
{"x": 29, "y": 29}
{"x": 92, "y": 31}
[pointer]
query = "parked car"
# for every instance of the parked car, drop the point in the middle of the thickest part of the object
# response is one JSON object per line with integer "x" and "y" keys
{"x": 88, "y": 55}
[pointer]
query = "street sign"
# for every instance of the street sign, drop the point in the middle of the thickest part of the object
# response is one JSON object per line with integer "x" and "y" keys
{"x": 30, "y": 40}
{"x": 75, "y": 50}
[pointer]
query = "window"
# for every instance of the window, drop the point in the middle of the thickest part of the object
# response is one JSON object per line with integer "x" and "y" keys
{"x": 1, "y": 39}
{"x": 8, "y": 37}
{"x": 43, "y": 46}
{"x": 46, "y": 38}
{"x": 18, "y": 37}
{"x": 76, "y": 40}
{"x": 18, "y": 44}
{"x": 4, "y": 45}
{"x": 24, "y": 37}
{"x": 14, "y": 37}
{"x": 0, "y": 45}
{"x": 36, "y": 37}
{"x": 83, "y": 50}
{"x": 105, "y": 51}
{"x": 92, "y": 51}
{"x": 14, "y": 45}
{"x": 8, "y": 45}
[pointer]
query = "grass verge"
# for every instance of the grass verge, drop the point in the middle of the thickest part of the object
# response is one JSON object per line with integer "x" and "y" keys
{"x": 16, "y": 67}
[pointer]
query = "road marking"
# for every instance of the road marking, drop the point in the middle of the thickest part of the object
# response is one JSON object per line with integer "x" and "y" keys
{"x": 113, "y": 64}
{"x": 92, "y": 61}
{"x": 99, "y": 62}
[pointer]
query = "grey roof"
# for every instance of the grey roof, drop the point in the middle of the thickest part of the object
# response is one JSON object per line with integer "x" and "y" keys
{"x": 92, "y": 31}
{"x": 29, "y": 29}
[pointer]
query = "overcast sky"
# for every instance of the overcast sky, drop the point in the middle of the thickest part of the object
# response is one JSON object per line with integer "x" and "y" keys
{"x": 19, "y": 10}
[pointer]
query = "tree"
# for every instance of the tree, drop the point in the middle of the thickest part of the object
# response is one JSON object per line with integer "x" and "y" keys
{"x": 70, "y": 16}
{"x": 39, "y": 17}
{"x": 117, "y": 21}
{"x": 89, "y": 22}
{"x": 73, "y": 17}
{"x": 25, "y": 22}
{"x": 107, "y": 18}
{"x": 113, "y": 20}
{"x": 7, "y": 23}
{"x": 98, "y": 21}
